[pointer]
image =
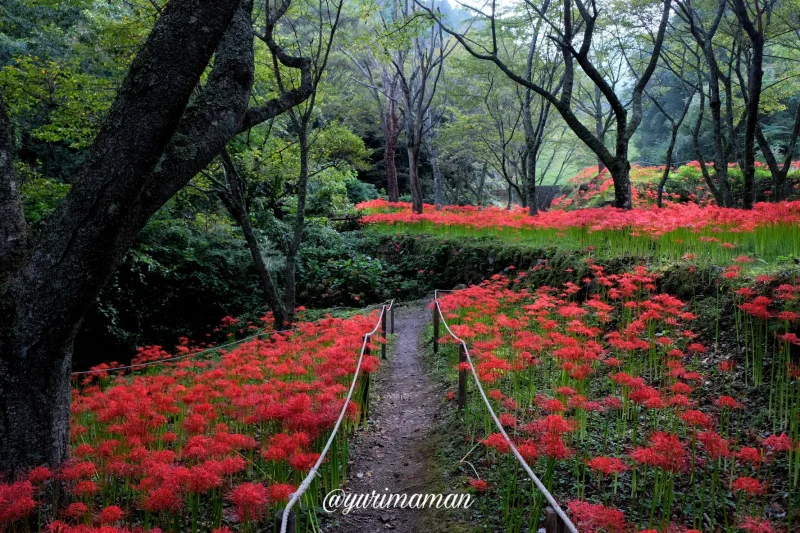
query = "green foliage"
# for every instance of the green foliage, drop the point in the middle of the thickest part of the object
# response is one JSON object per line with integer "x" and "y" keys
{"x": 39, "y": 194}
{"x": 181, "y": 278}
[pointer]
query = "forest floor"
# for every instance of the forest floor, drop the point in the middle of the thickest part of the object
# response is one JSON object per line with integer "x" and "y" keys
{"x": 396, "y": 453}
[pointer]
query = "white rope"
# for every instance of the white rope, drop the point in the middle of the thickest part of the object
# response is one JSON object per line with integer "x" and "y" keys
{"x": 313, "y": 472}
{"x": 549, "y": 497}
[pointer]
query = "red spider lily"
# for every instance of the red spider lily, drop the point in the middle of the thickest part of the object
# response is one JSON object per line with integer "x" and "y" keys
{"x": 250, "y": 499}
{"x": 752, "y": 524}
{"x": 749, "y": 455}
{"x": 16, "y": 501}
{"x": 280, "y": 492}
{"x": 655, "y": 384}
{"x": 749, "y": 485}
{"x": 110, "y": 515}
{"x": 694, "y": 419}
{"x": 607, "y": 465}
{"x": 498, "y": 442}
{"x": 664, "y": 451}
{"x": 728, "y": 402}
{"x": 591, "y": 518}
{"x": 479, "y": 485}
{"x": 778, "y": 443}
{"x": 76, "y": 510}
{"x": 716, "y": 447}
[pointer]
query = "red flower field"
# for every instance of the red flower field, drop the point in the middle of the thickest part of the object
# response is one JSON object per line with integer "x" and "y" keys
{"x": 188, "y": 445}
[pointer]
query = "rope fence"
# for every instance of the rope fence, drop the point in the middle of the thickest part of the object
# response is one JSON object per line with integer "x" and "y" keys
{"x": 261, "y": 333}
{"x": 288, "y": 520}
{"x": 556, "y": 519}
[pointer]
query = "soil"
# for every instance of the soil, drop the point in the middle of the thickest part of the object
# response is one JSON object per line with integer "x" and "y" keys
{"x": 394, "y": 452}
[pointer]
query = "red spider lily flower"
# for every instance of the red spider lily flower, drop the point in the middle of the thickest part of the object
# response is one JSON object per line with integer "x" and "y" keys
{"x": 479, "y": 485}
{"x": 203, "y": 478}
{"x": 752, "y": 524}
{"x": 595, "y": 517}
{"x": 302, "y": 462}
{"x": 528, "y": 452}
{"x": 280, "y": 492}
{"x": 750, "y": 455}
{"x": 694, "y": 418}
{"x": 163, "y": 499}
{"x": 726, "y": 366}
{"x": 553, "y": 405}
{"x": 612, "y": 402}
{"x": 716, "y": 447}
{"x": 507, "y": 420}
{"x": 791, "y": 338}
{"x": 16, "y": 501}
{"x": 109, "y": 515}
{"x": 664, "y": 451}
{"x": 39, "y": 475}
{"x": 727, "y": 402}
{"x": 778, "y": 443}
{"x": 84, "y": 488}
{"x": 76, "y": 510}
{"x": 607, "y": 465}
{"x": 749, "y": 485}
{"x": 498, "y": 442}
{"x": 250, "y": 500}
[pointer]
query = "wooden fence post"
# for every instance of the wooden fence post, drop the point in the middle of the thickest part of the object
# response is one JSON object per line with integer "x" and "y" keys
{"x": 553, "y": 523}
{"x": 435, "y": 327}
{"x": 383, "y": 332}
{"x": 392, "y": 324}
{"x": 462, "y": 378}
{"x": 365, "y": 410}
{"x": 291, "y": 521}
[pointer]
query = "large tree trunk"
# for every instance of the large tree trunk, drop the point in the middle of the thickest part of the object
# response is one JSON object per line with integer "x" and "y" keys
{"x": 433, "y": 158}
{"x": 35, "y": 410}
{"x": 390, "y": 157}
{"x": 667, "y": 165}
{"x": 413, "y": 177}
{"x": 621, "y": 175}
{"x": 754, "y": 78}
{"x": 299, "y": 223}
{"x": 44, "y": 301}
{"x": 599, "y": 129}
{"x": 530, "y": 181}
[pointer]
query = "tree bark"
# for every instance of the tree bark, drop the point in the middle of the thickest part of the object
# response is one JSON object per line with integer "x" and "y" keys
{"x": 433, "y": 158}
{"x": 754, "y": 80}
{"x": 299, "y": 223}
{"x": 390, "y": 158}
{"x": 413, "y": 178}
{"x": 391, "y": 131}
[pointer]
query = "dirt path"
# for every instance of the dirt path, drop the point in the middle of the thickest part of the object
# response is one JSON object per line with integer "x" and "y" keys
{"x": 391, "y": 454}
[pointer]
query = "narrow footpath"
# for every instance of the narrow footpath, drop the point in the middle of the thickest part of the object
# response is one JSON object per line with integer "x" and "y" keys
{"x": 391, "y": 454}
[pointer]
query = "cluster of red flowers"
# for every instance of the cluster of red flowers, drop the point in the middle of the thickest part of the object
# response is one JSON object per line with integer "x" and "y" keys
{"x": 568, "y": 373}
{"x": 640, "y": 221}
{"x": 231, "y": 435}
{"x": 687, "y": 230}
